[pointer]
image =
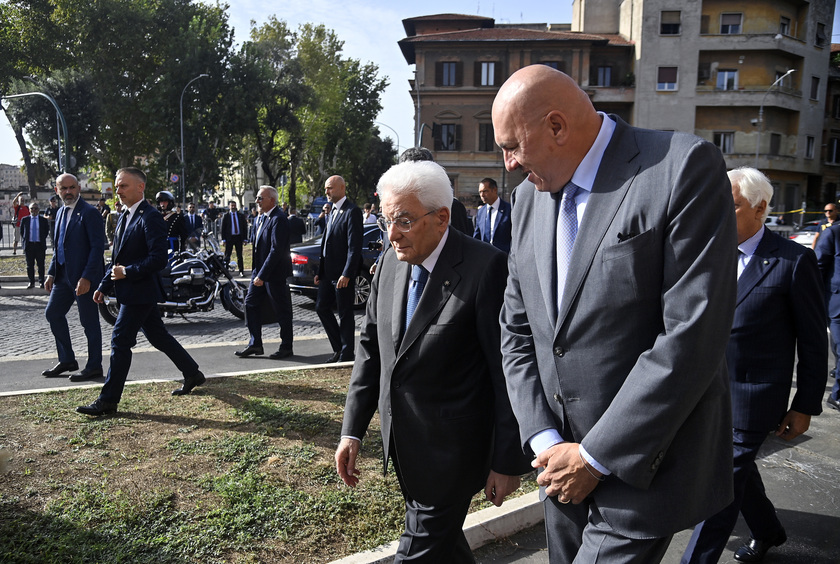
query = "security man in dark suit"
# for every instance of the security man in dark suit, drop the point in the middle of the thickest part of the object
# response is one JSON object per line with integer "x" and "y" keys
{"x": 492, "y": 223}
{"x": 271, "y": 266}
{"x": 429, "y": 358}
{"x": 33, "y": 231}
{"x": 139, "y": 254}
{"x": 76, "y": 268}
{"x": 297, "y": 227}
{"x": 779, "y": 316}
{"x": 234, "y": 231}
{"x": 341, "y": 257}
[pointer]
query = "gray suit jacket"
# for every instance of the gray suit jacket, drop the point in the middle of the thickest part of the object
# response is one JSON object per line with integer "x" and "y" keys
{"x": 440, "y": 390}
{"x": 633, "y": 368}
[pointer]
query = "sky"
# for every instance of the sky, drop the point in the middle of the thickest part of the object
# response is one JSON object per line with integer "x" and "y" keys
{"x": 370, "y": 31}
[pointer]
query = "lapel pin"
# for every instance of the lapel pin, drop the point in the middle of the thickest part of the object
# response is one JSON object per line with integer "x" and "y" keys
{"x": 766, "y": 261}
{"x": 446, "y": 282}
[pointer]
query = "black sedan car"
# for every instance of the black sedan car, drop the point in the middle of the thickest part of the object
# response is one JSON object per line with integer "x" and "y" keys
{"x": 306, "y": 258}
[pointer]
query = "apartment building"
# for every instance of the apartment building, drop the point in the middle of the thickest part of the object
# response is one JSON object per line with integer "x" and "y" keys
{"x": 749, "y": 76}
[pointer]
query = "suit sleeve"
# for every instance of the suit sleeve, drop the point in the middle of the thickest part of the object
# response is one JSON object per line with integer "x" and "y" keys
{"x": 279, "y": 241}
{"x": 508, "y": 456}
{"x": 811, "y": 340}
{"x": 825, "y": 258}
{"x": 154, "y": 231}
{"x": 354, "y": 243}
{"x": 363, "y": 392}
{"x": 479, "y": 220}
{"x": 94, "y": 230}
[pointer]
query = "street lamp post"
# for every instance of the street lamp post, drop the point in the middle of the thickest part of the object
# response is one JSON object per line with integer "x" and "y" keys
{"x": 392, "y": 129}
{"x": 761, "y": 113}
{"x": 63, "y": 164}
{"x": 183, "y": 158}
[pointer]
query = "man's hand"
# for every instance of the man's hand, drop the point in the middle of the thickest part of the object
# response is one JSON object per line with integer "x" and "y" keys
{"x": 82, "y": 287}
{"x": 98, "y": 297}
{"x": 499, "y": 486}
{"x": 258, "y": 281}
{"x": 793, "y": 425}
{"x": 345, "y": 461}
{"x": 565, "y": 474}
{"x": 117, "y": 272}
{"x": 343, "y": 282}
{"x": 316, "y": 280}
{"x": 48, "y": 283}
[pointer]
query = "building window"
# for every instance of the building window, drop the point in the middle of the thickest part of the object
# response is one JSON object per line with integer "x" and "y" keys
{"x": 835, "y": 107}
{"x": 815, "y": 88}
{"x": 556, "y": 65}
{"x": 486, "y": 139}
{"x": 448, "y": 73}
{"x": 784, "y": 26}
{"x": 833, "y": 154}
{"x": 730, "y": 24}
{"x": 669, "y": 23}
{"x": 727, "y": 79}
{"x": 821, "y": 39}
{"x": 775, "y": 143}
{"x": 666, "y": 78}
{"x": 486, "y": 73}
{"x": 447, "y": 136}
{"x": 604, "y": 76}
{"x": 809, "y": 147}
{"x": 724, "y": 140}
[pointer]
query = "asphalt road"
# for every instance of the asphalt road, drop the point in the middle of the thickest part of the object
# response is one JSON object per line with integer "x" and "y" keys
{"x": 27, "y": 346}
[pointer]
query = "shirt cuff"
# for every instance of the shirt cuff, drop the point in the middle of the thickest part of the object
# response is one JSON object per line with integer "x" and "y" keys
{"x": 544, "y": 439}
{"x": 351, "y": 437}
{"x": 592, "y": 462}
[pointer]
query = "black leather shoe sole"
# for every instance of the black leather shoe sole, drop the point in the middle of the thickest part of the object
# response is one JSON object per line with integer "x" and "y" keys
{"x": 97, "y": 408}
{"x": 280, "y": 354}
{"x": 249, "y": 351}
{"x": 60, "y": 369}
{"x": 755, "y": 550}
{"x": 86, "y": 375}
{"x": 189, "y": 384}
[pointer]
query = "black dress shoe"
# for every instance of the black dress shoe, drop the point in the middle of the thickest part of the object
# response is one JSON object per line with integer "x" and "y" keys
{"x": 248, "y": 351}
{"x": 30, "y": 285}
{"x": 281, "y": 353}
{"x": 755, "y": 550}
{"x": 97, "y": 408}
{"x": 348, "y": 359}
{"x": 41, "y": 285}
{"x": 333, "y": 358}
{"x": 59, "y": 368}
{"x": 196, "y": 379}
{"x": 833, "y": 403}
{"x": 86, "y": 374}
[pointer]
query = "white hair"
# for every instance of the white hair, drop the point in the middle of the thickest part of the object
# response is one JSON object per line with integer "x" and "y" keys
{"x": 753, "y": 186}
{"x": 425, "y": 180}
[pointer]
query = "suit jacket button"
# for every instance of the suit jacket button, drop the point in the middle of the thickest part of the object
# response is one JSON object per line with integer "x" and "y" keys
{"x": 559, "y": 351}
{"x": 558, "y": 398}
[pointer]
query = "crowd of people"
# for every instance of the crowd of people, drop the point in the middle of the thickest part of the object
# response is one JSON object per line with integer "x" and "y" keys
{"x": 626, "y": 325}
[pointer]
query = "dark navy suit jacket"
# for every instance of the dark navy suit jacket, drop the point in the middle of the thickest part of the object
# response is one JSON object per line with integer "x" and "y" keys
{"x": 779, "y": 313}
{"x": 142, "y": 251}
{"x": 84, "y": 244}
{"x": 43, "y": 230}
{"x": 341, "y": 247}
{"x": 501, "y": 231}
{"x": 271, "y": 260}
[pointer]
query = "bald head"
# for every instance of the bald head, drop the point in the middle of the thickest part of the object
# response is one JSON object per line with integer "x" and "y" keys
{"x": 544, "y": 124}
{"x": 335, "y": 188}
{"x": 67, "y": 188}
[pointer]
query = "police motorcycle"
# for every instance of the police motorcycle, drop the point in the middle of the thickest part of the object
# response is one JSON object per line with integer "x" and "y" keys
{"x": 192, "y": 281}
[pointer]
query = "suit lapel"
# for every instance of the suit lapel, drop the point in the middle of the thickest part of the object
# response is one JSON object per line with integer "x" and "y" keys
{"x": 399, "y": 301}
{"x": 442, "y": 282}
{"x": 545, "y": 221}
{"x": 761, "y": 263}
{"x": 612, "y": 182}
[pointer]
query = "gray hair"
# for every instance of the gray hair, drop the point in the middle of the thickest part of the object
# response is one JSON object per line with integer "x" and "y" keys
{"x": 424, "y": 179}
{"x": 753, "y": 186}
{"x": 271, "y": 190}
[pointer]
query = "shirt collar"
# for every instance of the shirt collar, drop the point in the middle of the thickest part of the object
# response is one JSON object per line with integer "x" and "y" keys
{"x": 431, "y": 260}
{"x": 495, "y": 205}
{"x": 133, "y": 209}
{"x": 749, "y": 246}
{"x": 584, "y": 176}
{"x": 338, "y": 204}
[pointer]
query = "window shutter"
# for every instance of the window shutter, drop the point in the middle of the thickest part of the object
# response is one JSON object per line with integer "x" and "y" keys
{"x": 458, "y": 137}
{"x": 459, "y": 73}
{"x": 704, "y": 24}
{"x": 436, "y": 136}
{"x": 438, "y": 73}
{"x": 477, "y": 73}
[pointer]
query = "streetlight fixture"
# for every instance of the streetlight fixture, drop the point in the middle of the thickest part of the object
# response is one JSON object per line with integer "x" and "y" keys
{"x": 63, "y": 164}
{"x": 183, "y": 158}
{"x": 760, "y": 123}
{"x": 392, "y": 129}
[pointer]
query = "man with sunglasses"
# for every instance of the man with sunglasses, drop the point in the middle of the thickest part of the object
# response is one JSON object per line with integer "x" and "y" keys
{"x": 831, "y": 215}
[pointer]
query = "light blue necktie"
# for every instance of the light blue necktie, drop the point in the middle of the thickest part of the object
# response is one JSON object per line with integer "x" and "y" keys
{"x": 33, "y": 228}
{"x": 567, "y": 227}
{"x": 62, "y": 229}
{"x": 235, "y": 220}
{"x": 419, "y": 277}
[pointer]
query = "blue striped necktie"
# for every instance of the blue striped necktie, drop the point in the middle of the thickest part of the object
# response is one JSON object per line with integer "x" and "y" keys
{"x": 567, "y": 227}
{"x": 419, "y": 277}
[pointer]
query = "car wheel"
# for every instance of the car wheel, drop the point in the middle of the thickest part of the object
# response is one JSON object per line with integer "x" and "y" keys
{"x": 362, "y": 290}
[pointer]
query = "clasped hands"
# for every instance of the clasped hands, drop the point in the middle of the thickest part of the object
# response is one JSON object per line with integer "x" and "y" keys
{"x": 565, "y": 474}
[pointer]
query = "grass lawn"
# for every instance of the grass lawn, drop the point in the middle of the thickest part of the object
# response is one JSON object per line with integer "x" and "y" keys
{"x": 239, "y": 471}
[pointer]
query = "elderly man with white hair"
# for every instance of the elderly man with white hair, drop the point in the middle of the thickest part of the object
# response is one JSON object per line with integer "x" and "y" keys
{"x": 779, "y": 316}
